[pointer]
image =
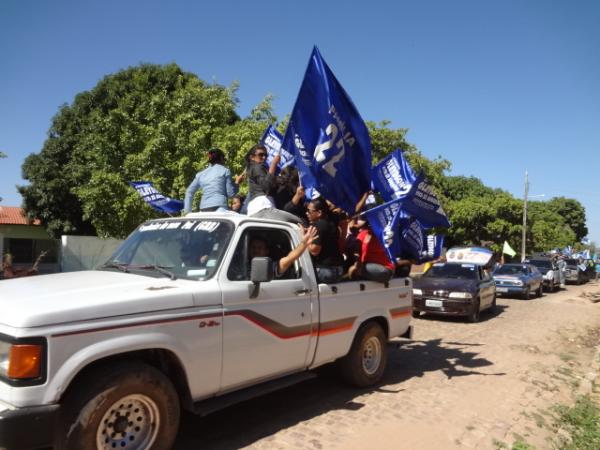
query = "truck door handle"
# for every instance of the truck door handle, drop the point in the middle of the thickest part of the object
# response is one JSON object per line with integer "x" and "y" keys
{"x": 301, "y": 291}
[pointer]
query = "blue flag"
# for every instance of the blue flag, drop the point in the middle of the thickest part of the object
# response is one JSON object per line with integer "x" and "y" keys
{"x": 155, "y": 199}
{"x": 329, "y": 139}
{"x": 412, "y": 239}
{"x": 386, "y": 221}
{"x": 272, "y": 139}
{"x": 393, "y": 177}
{"x": 422, "y": 203}
{"x": 433, "y": 249}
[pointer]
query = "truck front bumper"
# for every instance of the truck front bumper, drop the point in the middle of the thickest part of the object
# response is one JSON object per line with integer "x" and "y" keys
{"x": 27, "y": 428}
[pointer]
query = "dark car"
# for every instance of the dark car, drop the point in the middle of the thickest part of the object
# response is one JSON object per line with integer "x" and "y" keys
{"x": 549, "y": 271}
{"x": 575, "y": 271}
{"x": 519, "y": 279}
{"x": 454, "y": 289}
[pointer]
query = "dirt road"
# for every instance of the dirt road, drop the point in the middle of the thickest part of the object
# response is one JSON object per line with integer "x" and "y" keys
{"x": 456, "y": 385}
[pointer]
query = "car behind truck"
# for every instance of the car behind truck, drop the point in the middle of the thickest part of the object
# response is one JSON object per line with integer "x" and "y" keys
{"x": 180, "y": 317}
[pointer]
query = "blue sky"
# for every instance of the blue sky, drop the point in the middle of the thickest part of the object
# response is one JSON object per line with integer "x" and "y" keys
{"x": 496, "y": 87}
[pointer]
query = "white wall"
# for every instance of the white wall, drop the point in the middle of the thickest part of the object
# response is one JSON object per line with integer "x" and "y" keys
{"x": 85, "y": 252}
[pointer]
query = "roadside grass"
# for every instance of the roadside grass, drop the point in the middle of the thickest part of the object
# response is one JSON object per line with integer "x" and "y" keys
{"x": 582, "y": 423}
{"x": 519, "y": 444}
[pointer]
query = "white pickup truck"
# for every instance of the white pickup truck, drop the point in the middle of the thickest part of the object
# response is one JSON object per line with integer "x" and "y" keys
{"x": 179, "y": 318}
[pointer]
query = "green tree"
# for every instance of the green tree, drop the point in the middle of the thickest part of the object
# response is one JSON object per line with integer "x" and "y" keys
{"x": 148, "y": 122}
{"x": 573, "y": 214}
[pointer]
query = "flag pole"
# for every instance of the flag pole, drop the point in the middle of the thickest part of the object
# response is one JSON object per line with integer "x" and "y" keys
{"x": 524, "y": 218}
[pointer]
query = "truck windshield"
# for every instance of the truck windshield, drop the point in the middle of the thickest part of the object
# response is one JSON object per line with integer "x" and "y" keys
{"x": 179, "y": 248}
{"x": 460, "y": 271}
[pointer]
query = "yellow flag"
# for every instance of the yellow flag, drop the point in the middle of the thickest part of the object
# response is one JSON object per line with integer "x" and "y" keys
{"x": 507, "y": 249}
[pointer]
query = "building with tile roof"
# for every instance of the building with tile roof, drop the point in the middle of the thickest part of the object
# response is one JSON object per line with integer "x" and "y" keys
{"x": 26, "y": 239}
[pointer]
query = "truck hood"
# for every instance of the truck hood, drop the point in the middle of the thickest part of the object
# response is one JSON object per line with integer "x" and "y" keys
{"x": 74, "y": 296}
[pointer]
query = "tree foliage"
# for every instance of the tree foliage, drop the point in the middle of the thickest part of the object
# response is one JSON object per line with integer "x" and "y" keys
{"x": 144, "y": 123}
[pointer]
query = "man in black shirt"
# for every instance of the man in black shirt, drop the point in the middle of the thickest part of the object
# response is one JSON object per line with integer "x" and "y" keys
{"x": 326, "y": 255}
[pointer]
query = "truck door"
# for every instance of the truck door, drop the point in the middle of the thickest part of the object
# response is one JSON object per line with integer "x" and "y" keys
{"x": 268, "y": 335}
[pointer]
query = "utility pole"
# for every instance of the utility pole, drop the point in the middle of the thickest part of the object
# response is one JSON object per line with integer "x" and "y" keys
{"x": 524, "y": 218}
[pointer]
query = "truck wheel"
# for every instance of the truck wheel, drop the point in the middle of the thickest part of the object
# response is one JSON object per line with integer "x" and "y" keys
{"x": 416, "y": 314}
{"x": 474, "y": 316}
{"x": 365, "y": 363}
{"x": 132, "y": 406}
{"x": 540, "y": 291}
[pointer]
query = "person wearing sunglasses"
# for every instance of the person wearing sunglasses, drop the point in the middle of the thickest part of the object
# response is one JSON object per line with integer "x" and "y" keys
{"x": 261, "y": 184}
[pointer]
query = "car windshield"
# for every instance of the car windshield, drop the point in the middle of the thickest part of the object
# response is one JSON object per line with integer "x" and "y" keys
{"x": 511, "y": 270}
{"x": 179, "y": 248}
{"x": 459, "y": 271}
{"x": 541, "y": 264}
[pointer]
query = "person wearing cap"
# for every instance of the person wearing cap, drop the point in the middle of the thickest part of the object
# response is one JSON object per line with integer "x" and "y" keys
{"x": 214, "y": 181}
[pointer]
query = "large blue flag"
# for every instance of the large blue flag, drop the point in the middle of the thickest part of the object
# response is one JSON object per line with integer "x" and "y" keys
{"x": 329, "y": 139}
{"x": 393, "y": 177}
{"x": 271, "y": 139}
{"x": 155, "y": 199}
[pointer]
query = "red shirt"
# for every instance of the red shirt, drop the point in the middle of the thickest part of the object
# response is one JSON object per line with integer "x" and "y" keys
{"x": 371, "y": 251}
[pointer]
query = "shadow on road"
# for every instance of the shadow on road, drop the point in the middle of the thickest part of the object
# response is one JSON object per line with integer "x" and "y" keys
{"x": 248, "y": 422}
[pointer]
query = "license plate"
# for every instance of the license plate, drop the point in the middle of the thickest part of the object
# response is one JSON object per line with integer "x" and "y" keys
{"x": 501, "y": 289}
{"x": 434, "y": 303}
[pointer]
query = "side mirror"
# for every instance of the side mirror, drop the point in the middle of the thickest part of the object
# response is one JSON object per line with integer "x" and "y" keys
{"x": 261, "y": 271}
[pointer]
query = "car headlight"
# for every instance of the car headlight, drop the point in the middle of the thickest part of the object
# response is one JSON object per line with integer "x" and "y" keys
{"x": 460, "y": 295}
{"x": 417, "y": 291}
{"x": 518, "y": 283}
{"x": 21, "y": 361}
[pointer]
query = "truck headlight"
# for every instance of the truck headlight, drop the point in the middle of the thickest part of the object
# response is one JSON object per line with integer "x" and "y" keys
{"x": 417, "y": 291}
{"x": 460, "y": 295}
{"x": 21, "y": 361}
{"x": 518, "y": 283}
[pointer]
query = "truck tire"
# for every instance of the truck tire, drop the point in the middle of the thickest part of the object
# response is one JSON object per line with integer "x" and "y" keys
{"x": 365, "y": 362}
{"x": 416, "y": 314}
{"x": 131, "y": 406}
{"x": 540, "y": 291}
